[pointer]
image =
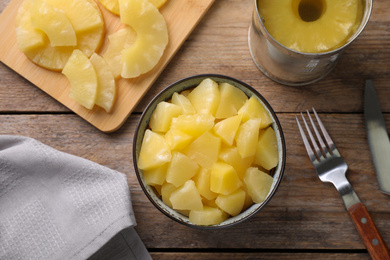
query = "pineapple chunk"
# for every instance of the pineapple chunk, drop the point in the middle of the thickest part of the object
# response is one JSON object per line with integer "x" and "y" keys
{"x": 204, "y": 150}
{"x": 166, "y": 191}
{"x": 161, "y": 118}
{"x": 156, "y": 176}
{"x": 113, "y": 5}
{"x": 232, "y": 203}
{"x": 208, "y": 216}
{"x": 118, "y": 41}
{"x": 258, "y": 184}
{"x": 202, "y": 182}
{"x": 28, "y": 38}
{"x": 106, "y": 90}
{"x": 184, "y": 103}
{"x": 267, "y": 155}
{"x": 178, "y": 140}
{"x": 83, "y": 79}
{"x": 87, "y": 17}
{"x": 194, "y": 125}
{"x": 181, "y": 169}
{"x": 311, "y": 26}
{"x": 227, "y": 128}
{"x": 232, "y": 99}
{"x": 53, "y": 22}
{"x": 231, "y": 156}
{"x": 186, "y": 197}
{"x": 205, "y": 97}
{"x": 152, "y": 36}
{"x": 247, "y": 137}
{"x": 224, "y": 179}
{"x": 154, "y": 152}
{"x": 254, "y": 109}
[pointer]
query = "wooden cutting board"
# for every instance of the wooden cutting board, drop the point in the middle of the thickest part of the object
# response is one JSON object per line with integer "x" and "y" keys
{"x": 181, "y": 16}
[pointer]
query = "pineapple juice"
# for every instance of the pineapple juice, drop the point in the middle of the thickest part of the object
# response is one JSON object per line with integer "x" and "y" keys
{"x": 298, "y": 42}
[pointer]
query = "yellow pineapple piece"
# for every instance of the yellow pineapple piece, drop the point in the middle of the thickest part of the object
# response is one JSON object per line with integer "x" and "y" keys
{"x": 180, "y": 169}
{"x": 118, "y": 41}
{"x": 86, "y": 17}
{"x": 158, "y": 3}
{"x": 113, "y": 5}
{"x": 267, "y": 155}
{"x": 258, "y": 184}
{"x": 166, "y": 191}
{"x": 53, "y": 22}
{"x": 227, "y": 128}
{"x": 232, "y": 99}
{"x": 156, "y": 176}
{"x": 28, "y": 37}
{"x": 177, "y": 139}
{"x": 106, "y": 90}
{"x": 254, "y": 109}
{"x": 161, "y": 118}
{"x": 224, "y": 179}
{"x": 232, "y": 203}
{"x": 231, "y": 156}
{"x": 311, "y": 25}
{"x": 154, "y": 151}
{"x": 205, "y": 97}
{"x": 184, "y": 103}
{"x": 186, "y": 197}
{"x": 152, "y": 37}
{"x": 247, "y": 137}
{"x": 39, "y": 49}
{"x": 207, "y": 216}
{"x": 83, "y": 79}
{"x": 204, "y": 150}
{"x": 194, "y": 125}
{"x": 202, "y": 183}
{"x": 248, "y": 200}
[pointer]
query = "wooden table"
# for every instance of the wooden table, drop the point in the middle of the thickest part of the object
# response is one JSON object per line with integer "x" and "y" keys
{"x": 306, "y": 218}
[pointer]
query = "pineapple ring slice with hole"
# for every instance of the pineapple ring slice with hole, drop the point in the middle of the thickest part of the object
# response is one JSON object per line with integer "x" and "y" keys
{"x": 152, "y": 37}
{"x": 113, "y": 5}
{"x": 337, "y": 21}
{"x": 53, "y": 22}
{"x": 38, "y": 48}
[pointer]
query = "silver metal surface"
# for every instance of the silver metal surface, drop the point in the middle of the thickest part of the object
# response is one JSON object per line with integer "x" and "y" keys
{"x": 326, "y": 159}
{"x": 290, "y": 67}
{"x": 377, "y": 136}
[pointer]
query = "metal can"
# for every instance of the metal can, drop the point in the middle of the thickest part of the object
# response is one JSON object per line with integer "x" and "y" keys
{"x": 290, "y": 67}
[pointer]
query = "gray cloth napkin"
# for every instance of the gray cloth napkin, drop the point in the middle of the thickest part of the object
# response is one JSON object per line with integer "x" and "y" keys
{"x": 54, "y": 205}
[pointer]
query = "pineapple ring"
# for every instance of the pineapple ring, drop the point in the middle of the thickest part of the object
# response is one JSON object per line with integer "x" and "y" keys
{"x": 113, "y": 5}
{"x": 309, "y": 31}
{"x": 152, "y": 37}
{"x": 36, "y": 45}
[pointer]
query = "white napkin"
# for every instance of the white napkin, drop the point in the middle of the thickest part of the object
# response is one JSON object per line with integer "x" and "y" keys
{"x": 55, "y": 205}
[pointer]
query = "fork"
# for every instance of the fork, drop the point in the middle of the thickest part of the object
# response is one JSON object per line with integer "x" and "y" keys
{"x": 331, "y": 167}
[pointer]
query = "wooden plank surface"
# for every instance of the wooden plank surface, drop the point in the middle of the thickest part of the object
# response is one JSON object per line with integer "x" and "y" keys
{"x": 306, "y": 218}
{"x": 181, "y": 18}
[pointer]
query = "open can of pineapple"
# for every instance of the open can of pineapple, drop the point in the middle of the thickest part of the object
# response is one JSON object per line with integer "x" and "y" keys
{"x": 298, "y": 42}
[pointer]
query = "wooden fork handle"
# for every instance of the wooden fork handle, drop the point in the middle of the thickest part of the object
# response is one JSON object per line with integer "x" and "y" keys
{"x": 373, "y": 240}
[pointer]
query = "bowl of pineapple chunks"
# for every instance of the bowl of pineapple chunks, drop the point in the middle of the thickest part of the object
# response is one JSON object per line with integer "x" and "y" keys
{"x": 209, "y": 151}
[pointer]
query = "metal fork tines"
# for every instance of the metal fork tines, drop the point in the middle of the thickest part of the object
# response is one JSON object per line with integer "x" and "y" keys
{"x": 331, "y": 167}
{"x": 326, "y": 159}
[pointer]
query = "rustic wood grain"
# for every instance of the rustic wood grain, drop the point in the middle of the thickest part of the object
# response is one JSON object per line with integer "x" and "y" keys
{"x": 304, "y": 213}
{"x": 306, "y": 219}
